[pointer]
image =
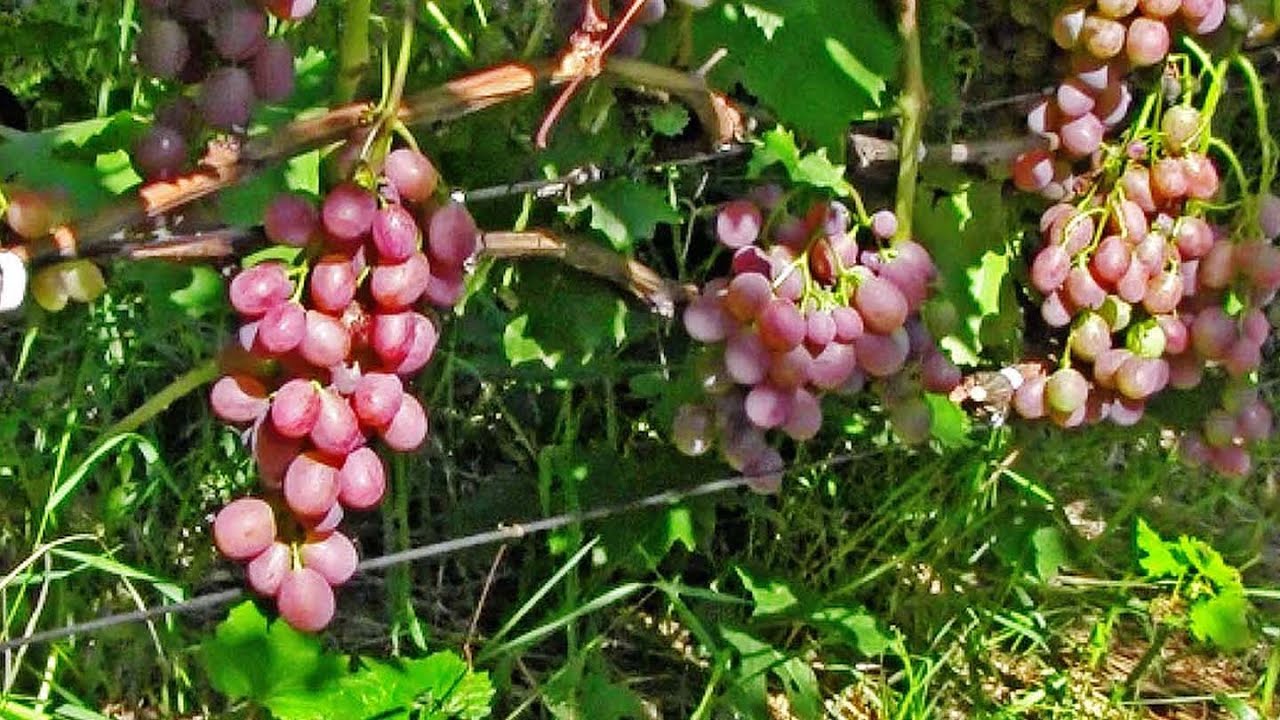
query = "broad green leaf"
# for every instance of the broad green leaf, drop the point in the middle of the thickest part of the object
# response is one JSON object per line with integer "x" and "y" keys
{"x": 1210, "y": 564}
{"x": 1154, "y": 556}
{"x": 771, "y": 596}
{"x": 778, "y": 146}
{"x": 88, "y": 160}
{"x": 598, "y": 698}
{"x": 563, "y": 316}
{"x": 246, "y": 658}
{"x": 1051, "y": 552}
{"x": 1222, "y": 620}
{"x": 964, "y": 227}
{"x": 855, "y": 626}
{"x": 626, "y": 211}
{"x": 817, "y": 64}
{"x": 757, "y": 658}
{"x": 949, "y": 424}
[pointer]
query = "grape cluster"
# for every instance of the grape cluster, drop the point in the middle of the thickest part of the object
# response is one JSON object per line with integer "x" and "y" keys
{"x": 1107, "y": 38}
{"x": 320, "y": 367}
{"x": 1153, "y": 294}
{"x": 32, "y": 216}
{"x": 806, "y": 311}
{"x": 221, "y": 45}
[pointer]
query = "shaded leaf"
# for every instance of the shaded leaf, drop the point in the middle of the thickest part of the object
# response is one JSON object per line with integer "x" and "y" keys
{"x": 627, "y": 211}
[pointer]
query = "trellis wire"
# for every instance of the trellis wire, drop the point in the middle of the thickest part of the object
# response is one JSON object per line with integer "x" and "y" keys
{"x": 515, "y": 531}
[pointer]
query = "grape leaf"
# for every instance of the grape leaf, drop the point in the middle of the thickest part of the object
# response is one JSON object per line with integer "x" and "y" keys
{"x": 1222, "y": 620}
{"x": 757, "y": 658}
{"x": 204, "y": 294}
{"x": 88, "y": 160}
{"x": 247, "y": 658}
{"x": 855, "y": 626}
{"x": 778, "y": 146}
{"x": 669, "y": 120}
{"x": 771, "y": 596}
{"x": 1051, "y": 553}
{"x": 964, "y": 227}
{"x": 626, "y": 211}
{"x": 949, "y": 424}
{"x": 818, "y": 64}
{"x": 1154, "y": 558}
{"x": 563, "y": 315}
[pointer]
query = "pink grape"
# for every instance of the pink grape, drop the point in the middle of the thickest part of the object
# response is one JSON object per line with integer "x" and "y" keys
{"x": 938, "y": 374}
{"x": 1147, "y": 42}
{"x": 748, "y": 295}
{"x": 1054, "y": 311}
{"x": 311, "y": 485}
{"x": 398, "y": 286}
{"x": 1074, "y": 99}
{"x": 781, "y": 326}
{"x": 1103, "y": 38}
{"x": 452, "y": 236}
{"x": 266, "y": 571}
{"x": 425, "y": 337}
{"x": 1212, "y": 19}
{"x": 1082, "y": 136}
{"x": 1117, "y": 9}
{"x": 1028, "y": 399}
{"x": 333, "y": 556}
{"x": 1212, "y": 333}
{"x": 881, "y": 304}
{"x": 1231, "y": 461}
{"x": 445, "y": 287}
{"x": 333, "y": 283}
{"x": 768, "y": 406}
{"x": 1136, "y": 182}
{"x": 412, "y": 174}
{"x": 259, "y": 288}
{"x": 746, "y": 358}
{"x": 884, "y": 224}
{"x": 305, "y": 600}
{"x": 1068, "y": 26}
{"x": 1254, "y": 422}
{"x": 347, "y": 213}
{"x": 1082, "y": 290}
{"x": 238, "y": 399}
{"x": 326, "y": 342}
{"x": 1169, "y": 179}
{"x": 706, "y": 319}
{"x": 328, "y": 523}
{"x": 1111, "y": 259}
{"x": 806, "y": 417}
{"x": 1269, "y": 215}
{"x": 738, "y": 223}
{"x": 362, "y": 480}
{"x": 244, "y": 528}
{"x": 883, "y": 355}
{"x": 1049, "y": 269}
{"x": 337, "y": 430}
{"x": 291, "y": 219}
{"x": 295, "y": 408}
{"x": 408, "y": 429}
{"x": 791, "y": 369}
{"x": 833, "y": 367}
{"x": 395, "y": 234}
{"x": 282, "y": 328}
{"x": 377, "y": 398}
{"x": 273, "y": 73}
{"x": 392, "y": 336}
{"x": 1159, "y": 8}
{"x": 1218, "y": 266}
{"x": 226, "y": 98}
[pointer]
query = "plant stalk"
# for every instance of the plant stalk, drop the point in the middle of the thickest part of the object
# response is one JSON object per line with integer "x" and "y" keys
{"x": 353, "y": 51}
{"x": 913, "y": 105}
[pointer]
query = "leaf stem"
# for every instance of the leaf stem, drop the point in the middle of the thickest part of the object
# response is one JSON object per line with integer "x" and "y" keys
{"x": 913, "y": 104}
{"x": 184, "y": 384}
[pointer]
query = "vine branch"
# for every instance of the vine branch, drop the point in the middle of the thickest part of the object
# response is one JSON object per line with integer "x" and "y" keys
{"x": 913, "y": 103}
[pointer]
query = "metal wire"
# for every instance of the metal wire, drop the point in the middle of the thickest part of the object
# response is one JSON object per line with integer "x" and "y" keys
{"x": 505, "y": 533}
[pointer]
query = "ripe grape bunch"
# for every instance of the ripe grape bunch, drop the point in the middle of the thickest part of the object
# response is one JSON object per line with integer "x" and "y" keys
{"x": 321, "y": 365}
{"x": 222, "y": 46}
{"x": 806, "y": 311}
{"x": 1106, "y": 38}
{"x": 1154, "y": 294}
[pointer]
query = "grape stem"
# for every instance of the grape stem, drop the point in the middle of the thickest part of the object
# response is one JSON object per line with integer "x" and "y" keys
{"x": 913, "y": 104}
{"x": 184, "y": 384}
{"x": 353, "y": 52}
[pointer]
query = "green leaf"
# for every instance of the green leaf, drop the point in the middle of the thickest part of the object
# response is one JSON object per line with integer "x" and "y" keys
{"x": 669, "y": 120}
{"x": 1210, "y": 564}
{"x": 204, "y": 294}
{"x": 1222, "y": 620}
{"x": 600, "y": 698}
{"x": 626, "y": 211}
{"x": 771, "y": 596}
{"x": 1050, "y": 552}
{"x": 964, "y": 227}
{"x": 854, "y": 626}
{"x": 949, "y": 424}
{"x": 757, "y": 658}
{"x": 561, "y": 316}
{"x": 246, "y": 658}
{"x": 1154, "y": 556}
{"x": 778, "y": 147}
{"x": 88, "y": 160}
{"x": 818, "y": 64}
